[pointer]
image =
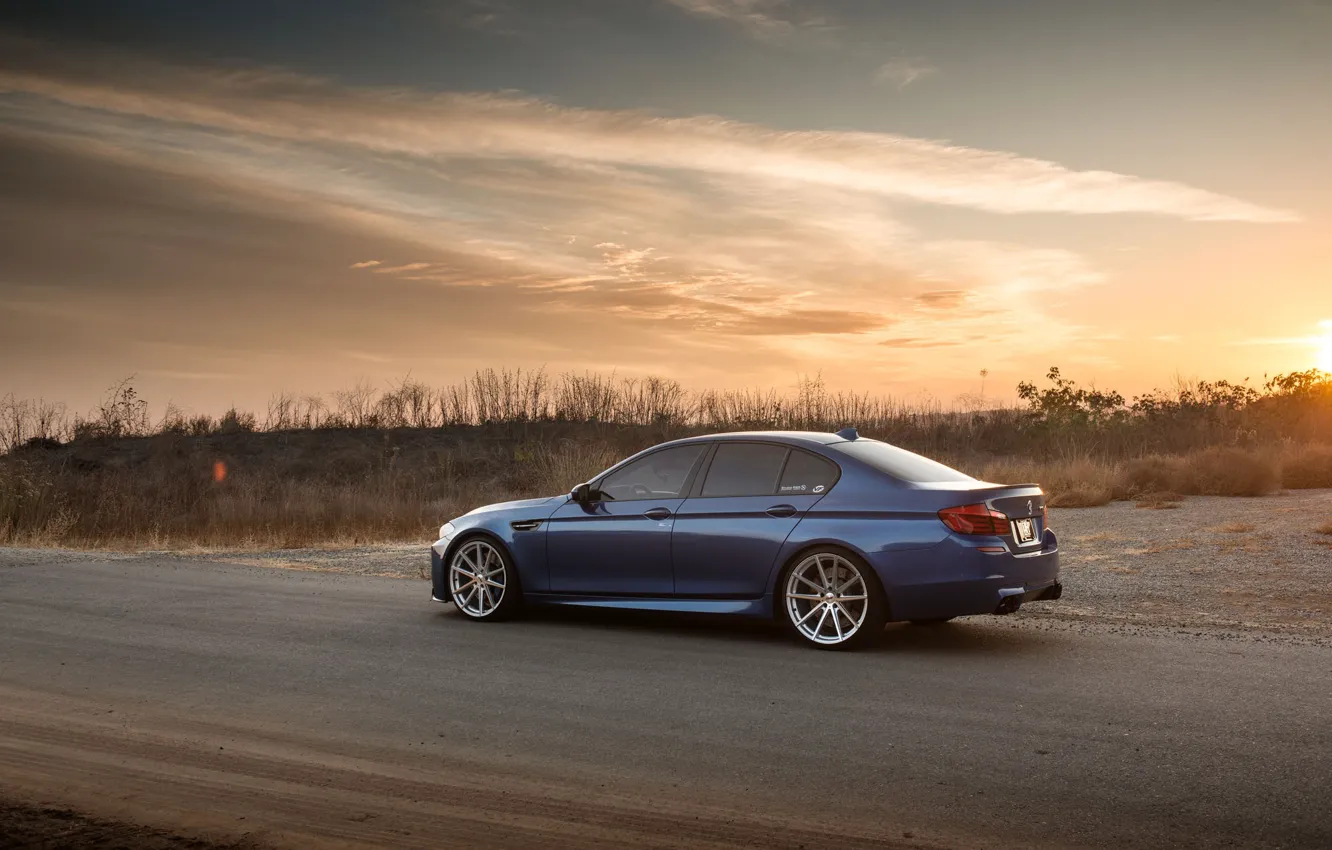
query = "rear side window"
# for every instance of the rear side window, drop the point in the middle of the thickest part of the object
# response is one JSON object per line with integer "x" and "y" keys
{"x": 744, "y": 469}
{"x": 899, "y": 463}
{"x": 807, "y": 473}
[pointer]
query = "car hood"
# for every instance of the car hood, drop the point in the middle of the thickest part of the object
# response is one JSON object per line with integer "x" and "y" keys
{"x": 520, "y": 505}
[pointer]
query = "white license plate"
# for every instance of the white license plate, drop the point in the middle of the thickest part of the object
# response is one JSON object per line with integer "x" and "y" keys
{"x": 1024, "y": 530}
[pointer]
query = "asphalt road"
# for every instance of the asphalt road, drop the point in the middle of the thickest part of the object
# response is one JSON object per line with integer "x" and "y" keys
{"x": 304, "y": 709}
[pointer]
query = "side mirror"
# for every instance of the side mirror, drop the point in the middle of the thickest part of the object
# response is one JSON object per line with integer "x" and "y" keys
{"x": 582, "y": 494}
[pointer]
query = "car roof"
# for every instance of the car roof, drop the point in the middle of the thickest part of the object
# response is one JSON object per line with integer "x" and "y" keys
{"x": 819, "y": 438}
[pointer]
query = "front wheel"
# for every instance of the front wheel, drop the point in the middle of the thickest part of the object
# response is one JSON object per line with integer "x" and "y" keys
{"x": 831, "y": 600}
{"x": 482, "y": 581}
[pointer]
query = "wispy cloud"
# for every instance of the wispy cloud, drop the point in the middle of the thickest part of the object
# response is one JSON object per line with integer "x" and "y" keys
{"x": 772, "y": 21}
{"x": 1282, "y": 340}
{"x": 444, "y": 126}
{"x": 364, "y": 265}
{"x": 902, "y": 72}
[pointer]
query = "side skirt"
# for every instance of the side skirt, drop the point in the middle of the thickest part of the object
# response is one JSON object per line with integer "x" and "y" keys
{"x": 742, "y": 607}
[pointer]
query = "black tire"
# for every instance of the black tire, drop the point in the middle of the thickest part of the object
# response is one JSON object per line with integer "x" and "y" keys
{"x": 480, "y": 603}
{"x": 936, "y": 621}
{"x": 789, "y": 609}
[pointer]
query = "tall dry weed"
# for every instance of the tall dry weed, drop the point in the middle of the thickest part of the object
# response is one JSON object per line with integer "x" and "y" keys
{"x": 1305, "y": 467}
{"x": 1210, "y": 472}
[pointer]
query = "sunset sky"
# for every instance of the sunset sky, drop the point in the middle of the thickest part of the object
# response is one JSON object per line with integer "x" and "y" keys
{"x": 228, "y": 199}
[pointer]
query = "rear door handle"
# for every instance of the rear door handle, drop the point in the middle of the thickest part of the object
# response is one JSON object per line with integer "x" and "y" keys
{"x": 657, "y": 513}
{"x": 782, "y": 510}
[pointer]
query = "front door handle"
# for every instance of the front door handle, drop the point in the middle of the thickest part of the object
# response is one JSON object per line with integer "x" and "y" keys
{"x": 657, "y": 513}
{"x": 782, "y": 510}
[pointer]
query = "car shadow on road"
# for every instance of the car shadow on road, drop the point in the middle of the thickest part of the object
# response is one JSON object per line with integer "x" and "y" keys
{"x": 971, "y": 636}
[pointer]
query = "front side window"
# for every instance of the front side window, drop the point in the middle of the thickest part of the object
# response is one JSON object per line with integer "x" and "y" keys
{"x": 807, "y": 474}
{"x": 744, "y": 469}
{"x": 660, "y": 475}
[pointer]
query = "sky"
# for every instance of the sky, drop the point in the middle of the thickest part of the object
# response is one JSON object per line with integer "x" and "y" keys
{"x": 229, "y": 199}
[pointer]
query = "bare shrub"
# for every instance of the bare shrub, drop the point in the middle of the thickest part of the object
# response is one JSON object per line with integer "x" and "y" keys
{"x": 234, "y": 421}
{"x": 1211, "y": 472}
{"x": 585, "y": 398}
{"x": 1305, "y": 467}
{"x": 1231, "y": 472}
{"x": 31, "y": 422}
{"x": 122, "y": 413}
{"x": 1325, "y": 528}
{"x": 1155, "y": 474}
{"x": 281, "y": 412}
{"x": 355, "y": 407}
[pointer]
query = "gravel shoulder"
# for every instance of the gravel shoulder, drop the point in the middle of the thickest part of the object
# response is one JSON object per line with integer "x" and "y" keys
{"x": 1209, "y": 563}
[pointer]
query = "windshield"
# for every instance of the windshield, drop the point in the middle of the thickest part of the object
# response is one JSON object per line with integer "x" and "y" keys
{"x": 899, "y": 463}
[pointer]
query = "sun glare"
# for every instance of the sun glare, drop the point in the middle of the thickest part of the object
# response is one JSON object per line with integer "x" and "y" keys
{"x": 1325, "y": 347}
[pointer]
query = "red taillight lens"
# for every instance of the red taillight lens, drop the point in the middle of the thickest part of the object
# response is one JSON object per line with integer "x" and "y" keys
{"x": 975, "y": 519}
{"x": 1045, "y": 517}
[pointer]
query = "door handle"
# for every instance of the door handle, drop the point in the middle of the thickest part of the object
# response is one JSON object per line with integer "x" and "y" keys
{"x": 656, "y": 513}
{"x": 781, "y": 510}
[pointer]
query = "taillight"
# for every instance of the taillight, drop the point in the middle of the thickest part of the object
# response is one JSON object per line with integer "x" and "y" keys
{"x": 1045, "y": 516}
{"x": 975, "y": 519}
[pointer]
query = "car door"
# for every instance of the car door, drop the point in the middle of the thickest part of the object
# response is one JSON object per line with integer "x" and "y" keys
{"x": 619, "y": 543}
{"x": 729, "y": 531}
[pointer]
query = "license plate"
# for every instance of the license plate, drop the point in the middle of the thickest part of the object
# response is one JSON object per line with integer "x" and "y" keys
{"x": 1024, "y": 530}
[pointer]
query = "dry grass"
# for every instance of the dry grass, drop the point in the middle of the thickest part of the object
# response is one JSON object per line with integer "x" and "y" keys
{"x": 1160, "y": 501}
{"x": 347, "y": 485}
{"x": 1325, "y": 528}
{"x": 1249, "y": 545}
{"x": 1209, "y": 472}
{"x": 1098, "y": 537}
{"x": 1306, "y": 467}
{"x": 279, "y": 490}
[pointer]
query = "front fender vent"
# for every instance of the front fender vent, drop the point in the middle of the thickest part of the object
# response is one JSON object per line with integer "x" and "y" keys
{"x": 525, "y": 524}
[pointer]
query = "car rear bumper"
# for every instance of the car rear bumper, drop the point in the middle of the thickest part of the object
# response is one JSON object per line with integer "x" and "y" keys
{"x": 957, "y": 579}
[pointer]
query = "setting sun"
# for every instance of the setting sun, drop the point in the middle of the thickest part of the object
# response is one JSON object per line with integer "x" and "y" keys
{"x": 1325, "y": 348}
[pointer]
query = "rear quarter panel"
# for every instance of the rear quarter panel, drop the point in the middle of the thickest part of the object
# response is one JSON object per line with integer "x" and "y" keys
{"x": 868, "y": 513}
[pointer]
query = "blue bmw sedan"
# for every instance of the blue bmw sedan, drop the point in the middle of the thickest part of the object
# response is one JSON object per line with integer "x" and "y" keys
{"x": 832, "y": 535}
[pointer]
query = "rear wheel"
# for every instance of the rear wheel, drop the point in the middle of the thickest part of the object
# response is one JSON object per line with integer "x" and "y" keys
{"x": 831, "y": 600}
{"x": 482, "y": 580}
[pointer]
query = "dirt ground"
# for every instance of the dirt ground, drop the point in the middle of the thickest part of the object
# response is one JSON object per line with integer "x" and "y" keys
{"x": 1255, "y": 566}
{"x": 33, "y": 827}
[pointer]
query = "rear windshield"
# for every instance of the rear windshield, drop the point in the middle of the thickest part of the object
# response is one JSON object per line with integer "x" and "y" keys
{"x": 899, "y": 463}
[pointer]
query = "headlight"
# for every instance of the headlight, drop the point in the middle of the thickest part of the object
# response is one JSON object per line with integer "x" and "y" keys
{"x": 446, "y": 531}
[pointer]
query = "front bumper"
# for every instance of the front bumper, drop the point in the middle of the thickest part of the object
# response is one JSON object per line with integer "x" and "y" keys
{"x": 438, "y": 591}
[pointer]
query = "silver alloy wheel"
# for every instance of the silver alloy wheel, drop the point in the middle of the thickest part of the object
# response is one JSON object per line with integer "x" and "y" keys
{"x": 826, "y": 598}
{"x": 477, "y": 578}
